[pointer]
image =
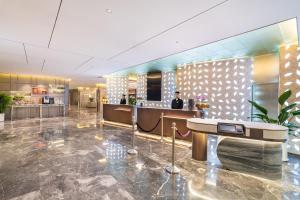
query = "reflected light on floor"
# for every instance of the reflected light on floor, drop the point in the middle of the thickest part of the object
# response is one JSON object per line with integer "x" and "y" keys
{"x": 56, "y": 143}
{"x": 139, "y": 166}
{"x": 82, "y": 125}
{"x": 103, "y": 160}
{"x": 197, "y": 193}
{"x": 100, "y": 138}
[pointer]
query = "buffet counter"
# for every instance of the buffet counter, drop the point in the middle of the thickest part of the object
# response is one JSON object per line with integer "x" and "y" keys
{"x": 17, "y": 112}
{"x": 148, "y": 118}
{"x": 118, "y": 113}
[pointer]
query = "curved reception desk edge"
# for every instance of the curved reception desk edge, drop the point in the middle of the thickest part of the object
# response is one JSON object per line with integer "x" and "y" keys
{"x": 251, "y": 147}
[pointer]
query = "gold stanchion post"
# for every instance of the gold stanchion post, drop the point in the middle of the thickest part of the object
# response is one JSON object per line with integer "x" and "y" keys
{"x": 172, "y": 169}
{"x": 162, "y": 127}
{"x": 132, "y": 151}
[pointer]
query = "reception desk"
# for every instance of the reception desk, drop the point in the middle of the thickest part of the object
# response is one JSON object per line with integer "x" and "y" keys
{"x": 17, "y": 112}
{"x": 253, "y": 147}
{"x": 148, "y": 117}
{"x": 118, "y": 113}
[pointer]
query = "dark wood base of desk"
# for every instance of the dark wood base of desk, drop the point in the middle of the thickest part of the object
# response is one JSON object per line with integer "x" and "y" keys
{"x": 148, "y": 118}
{"x": 118, "y": 113}
{"x": 199, "y": 146}
{"x": 180, "y": 125}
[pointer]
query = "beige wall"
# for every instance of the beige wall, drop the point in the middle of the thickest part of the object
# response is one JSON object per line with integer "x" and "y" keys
{"x": 24, "y": 83}
{"x": 265, "y": 68}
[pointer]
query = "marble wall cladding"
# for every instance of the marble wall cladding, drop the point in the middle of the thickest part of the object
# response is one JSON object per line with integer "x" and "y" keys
{"x": 226, "y": 84}
{"x": 290, "y": 79}
{"x": 116, "y": 86}
{"x": 167, "y": 90}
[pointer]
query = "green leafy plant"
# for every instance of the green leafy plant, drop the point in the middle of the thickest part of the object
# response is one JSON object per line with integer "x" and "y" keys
{"x": 18, "y": 98}
{"x": 132, "y": 101}
{"x": 286, "y": 113}
{"x": 91, "y": 99}
{"x": 5, "y": 101}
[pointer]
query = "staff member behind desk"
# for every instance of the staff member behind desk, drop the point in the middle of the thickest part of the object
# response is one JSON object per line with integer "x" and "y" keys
{"x": 177, "y": 103}
{"x": 123, "y": 100}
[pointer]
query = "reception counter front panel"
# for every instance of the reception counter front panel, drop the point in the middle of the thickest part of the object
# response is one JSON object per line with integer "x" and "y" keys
{"x": 118, "y": 113}
{"x": 147, "y": 118}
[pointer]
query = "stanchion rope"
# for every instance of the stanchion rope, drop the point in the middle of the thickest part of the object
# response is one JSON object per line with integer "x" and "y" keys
{"x": 185, "y": 134}
{"x": 150, "y": 129}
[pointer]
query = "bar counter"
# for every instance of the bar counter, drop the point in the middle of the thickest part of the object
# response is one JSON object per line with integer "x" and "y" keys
{"x": 24, "y": 111}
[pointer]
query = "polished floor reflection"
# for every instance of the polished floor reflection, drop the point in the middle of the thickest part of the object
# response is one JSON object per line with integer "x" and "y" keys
{"x": 78, "y": 158}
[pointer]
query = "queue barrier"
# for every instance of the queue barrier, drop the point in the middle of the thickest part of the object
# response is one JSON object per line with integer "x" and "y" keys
{"x": 133, "y": 151}
{"x": 171, "y": 168}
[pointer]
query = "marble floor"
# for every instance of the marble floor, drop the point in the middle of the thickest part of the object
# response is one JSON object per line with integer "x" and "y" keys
{"x": 76, "y": 157}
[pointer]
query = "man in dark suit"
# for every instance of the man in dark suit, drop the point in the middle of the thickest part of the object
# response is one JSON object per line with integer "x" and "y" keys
{"x": 123, "y": 100}
{"x": 177, "y": 103}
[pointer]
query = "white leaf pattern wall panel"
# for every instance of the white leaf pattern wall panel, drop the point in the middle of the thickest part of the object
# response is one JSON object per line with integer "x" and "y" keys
{"x": 226, "y": 84}
{"x": 116, "y": 86}
{"x": 167, "y": 90}
{"x": 290, "y": 73}
{"x": 142, "y": 86}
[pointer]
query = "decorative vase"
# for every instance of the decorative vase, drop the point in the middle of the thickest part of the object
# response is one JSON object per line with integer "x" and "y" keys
{"x": 202, "y": 104}
{"x": 191, "y": 104}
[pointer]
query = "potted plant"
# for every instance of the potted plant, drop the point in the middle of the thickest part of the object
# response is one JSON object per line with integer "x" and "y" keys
{"x": 91, "y": 99}
{"x": 5, "y": 101}
{"x": 286, "y": 113}
{"x": 202, "y": 103}
{"x": 285, "y": 118}
{"x": 132, "y": 101}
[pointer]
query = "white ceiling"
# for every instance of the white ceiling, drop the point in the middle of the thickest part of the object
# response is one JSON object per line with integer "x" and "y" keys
{"x": 85, "y": 41}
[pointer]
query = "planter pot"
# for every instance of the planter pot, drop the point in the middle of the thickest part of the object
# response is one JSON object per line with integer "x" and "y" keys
{"x": 1, "y": 121}
{"x": 1, "y": 117}
{"x": 294, "y": 144}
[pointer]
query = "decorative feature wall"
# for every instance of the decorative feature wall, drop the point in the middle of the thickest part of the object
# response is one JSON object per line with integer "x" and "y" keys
{"x": 167, "y": 90}
{"x": 290, "y": 79}
{"x": 290, "y": 72}
{"x": 116, "y": 86}
{"x": 226, "y": 84}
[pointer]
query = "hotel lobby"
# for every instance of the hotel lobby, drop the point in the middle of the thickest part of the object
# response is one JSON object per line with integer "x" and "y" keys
{"x": 146, "y": 100}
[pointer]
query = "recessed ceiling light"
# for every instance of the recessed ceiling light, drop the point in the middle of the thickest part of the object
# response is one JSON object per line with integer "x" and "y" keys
{"x": 108, "y": 11}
